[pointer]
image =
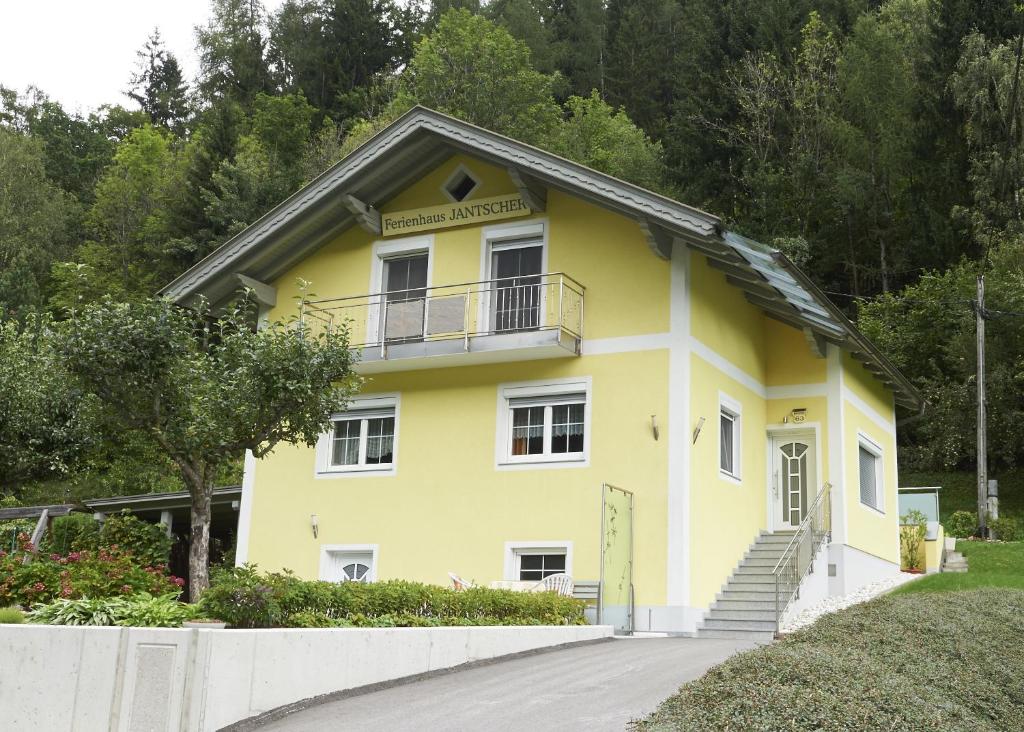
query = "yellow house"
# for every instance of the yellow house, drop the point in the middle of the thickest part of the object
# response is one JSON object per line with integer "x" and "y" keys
{"x": 565, "y": 373}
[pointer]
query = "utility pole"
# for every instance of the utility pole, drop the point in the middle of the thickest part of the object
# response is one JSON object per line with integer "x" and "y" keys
{"x": 979, "y": 310}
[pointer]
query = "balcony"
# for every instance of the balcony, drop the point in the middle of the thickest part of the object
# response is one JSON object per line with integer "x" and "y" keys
{"x": 512, "y": 319}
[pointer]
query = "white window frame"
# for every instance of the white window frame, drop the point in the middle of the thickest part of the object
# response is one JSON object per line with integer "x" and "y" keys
{"x": 516, "y": 549}
{"x": 327, "y": 549}
{"x": 376, "y": 405}
{"x": 461, "y": 170}
{"x": 508, "y": 236}
{"x": 393, "y": 249}
{"x": 733, "y": 410}
{"x": 553, "y": 390}
{"x": 866, "y": 443}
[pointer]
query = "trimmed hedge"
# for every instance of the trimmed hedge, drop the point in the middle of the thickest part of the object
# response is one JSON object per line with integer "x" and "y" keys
{"x": 943, "y": 661}
{"x": 244, "y": 598}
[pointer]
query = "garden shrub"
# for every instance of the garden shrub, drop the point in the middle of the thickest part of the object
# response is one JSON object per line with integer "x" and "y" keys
{"x": 149, "y": 543}
{"x": 141, "y": 610}
{"x": 913, "y": 529}
{"x": 11, "y": 615}
{"x": 1006, "y": 528}
{"x": 962, "y": 524}
{"x": 75, "y": 532}
{"x": 930, "y": 661}
{"x": 244, "y": 598}
{"x": 94, "y": 574}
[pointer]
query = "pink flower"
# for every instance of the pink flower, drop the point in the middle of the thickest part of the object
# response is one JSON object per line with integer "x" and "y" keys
{"x": 38, "y": 587}
{"x": 126, "y": 588}
{"x": 179, "y": 581}
{"x": 55, "y": 557}
{"x": 74, "y": 556}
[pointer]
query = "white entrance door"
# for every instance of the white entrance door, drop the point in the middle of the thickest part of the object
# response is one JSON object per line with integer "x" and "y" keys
{"x": 793, "y": 477}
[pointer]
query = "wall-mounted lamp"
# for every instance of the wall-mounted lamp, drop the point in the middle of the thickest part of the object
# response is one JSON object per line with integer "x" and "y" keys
{"x": 654, "y": 426}
{"x": 315, "y": 524}
{"x": 697, "y": 429}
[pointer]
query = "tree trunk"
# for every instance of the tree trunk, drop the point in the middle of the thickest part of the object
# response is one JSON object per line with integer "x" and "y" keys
{"x": 199, "y": 546}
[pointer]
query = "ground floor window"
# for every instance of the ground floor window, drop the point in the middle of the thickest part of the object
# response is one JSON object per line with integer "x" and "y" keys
{"x": 870, "y": 464}
{"x": 342, "y": 564}
{"x": 538, "y": 566}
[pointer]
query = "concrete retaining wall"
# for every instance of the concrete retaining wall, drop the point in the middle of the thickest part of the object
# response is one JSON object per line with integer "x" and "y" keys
{"x": 78, "y": 679}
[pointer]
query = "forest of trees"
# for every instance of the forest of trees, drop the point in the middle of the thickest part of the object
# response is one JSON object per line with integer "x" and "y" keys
{"x": 876, "y": 143}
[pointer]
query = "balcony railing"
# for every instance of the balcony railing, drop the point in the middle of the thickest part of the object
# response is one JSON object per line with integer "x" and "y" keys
{"x": 545, "y": 303}
{"x": 798, "y": 558}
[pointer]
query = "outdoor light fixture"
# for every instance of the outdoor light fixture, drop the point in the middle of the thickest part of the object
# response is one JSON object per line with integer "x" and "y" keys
{"x": 697, "y": 429}
{"x": 315, "y": 524}
{"x": 654, "y": 426}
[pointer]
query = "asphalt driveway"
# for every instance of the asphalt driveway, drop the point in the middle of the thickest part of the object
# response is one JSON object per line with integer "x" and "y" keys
{"x": 600, "y": 686}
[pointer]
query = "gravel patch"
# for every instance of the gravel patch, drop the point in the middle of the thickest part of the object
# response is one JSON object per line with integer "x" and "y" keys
{"x": 830, "y": 604}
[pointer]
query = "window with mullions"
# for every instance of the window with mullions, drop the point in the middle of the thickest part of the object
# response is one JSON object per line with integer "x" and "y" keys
{"x": 363, "y": 440}
{"x": 538, "y": 566}
{"x": 547, "y": 428}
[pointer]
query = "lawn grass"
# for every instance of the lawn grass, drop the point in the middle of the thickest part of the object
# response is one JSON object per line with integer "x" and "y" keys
{"x": 911, "y": 662}
{"x": 960, "y": 491}
{"x": 990, "y": 564}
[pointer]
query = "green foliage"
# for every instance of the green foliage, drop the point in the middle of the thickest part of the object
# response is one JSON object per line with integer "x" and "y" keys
{"x": 245, "y": 598}
{"x": 11, "y": 616}
{"x": 34, "y": 217}
{"x": 45, "y": 421}
{"x": 910, "y": 662}
{"x": 466, "y": 65}
{"x": 928, "y": 330}
{"x": 597, "y": 135}
{"x": 1006, "y": 528}
{"x": 961, "y": 524}
{"x": 148, "y": 543}
{"x": 75, "y": 532}
{"x": 913, "y": 528}
{"x": 93, "y": 574}
{"x": 140, "y": 610}
{"x": 206, "y": 389}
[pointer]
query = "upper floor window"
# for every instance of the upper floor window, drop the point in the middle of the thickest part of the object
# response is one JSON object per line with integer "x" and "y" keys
{"x": 363, "y": 438}
{"x": 460, "y": 185}
{"x": 544, "y": 422}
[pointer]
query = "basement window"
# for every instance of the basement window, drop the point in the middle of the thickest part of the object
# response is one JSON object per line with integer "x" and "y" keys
{"x": 460, "y": 185}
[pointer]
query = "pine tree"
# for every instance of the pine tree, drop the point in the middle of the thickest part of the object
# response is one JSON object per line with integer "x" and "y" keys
{"x": 158, "y": 86}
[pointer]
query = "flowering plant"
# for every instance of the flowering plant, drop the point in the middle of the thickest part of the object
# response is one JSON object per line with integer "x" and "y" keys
{"x": 106, "y": 572}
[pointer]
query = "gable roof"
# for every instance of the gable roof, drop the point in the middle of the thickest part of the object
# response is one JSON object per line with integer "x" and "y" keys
{"x": 423, "y": 138}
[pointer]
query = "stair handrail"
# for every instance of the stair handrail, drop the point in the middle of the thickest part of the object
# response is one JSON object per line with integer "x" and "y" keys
{"x": 814, "y": 530}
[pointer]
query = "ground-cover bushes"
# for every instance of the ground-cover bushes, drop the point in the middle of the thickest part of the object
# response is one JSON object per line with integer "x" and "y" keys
{"x": 93, "y": 574}
{"x": 945, "y": 661}
{"x": 245, "y": 598}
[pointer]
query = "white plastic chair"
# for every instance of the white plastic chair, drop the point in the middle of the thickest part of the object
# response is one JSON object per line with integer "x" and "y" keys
{"x": 560, "y": 583}
{"x": 459, "y": 583}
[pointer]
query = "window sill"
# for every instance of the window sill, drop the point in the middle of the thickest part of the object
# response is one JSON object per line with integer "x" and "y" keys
{"x": 367, "y": 471}
{"x": 871, "y": 509}
{"x": 543, "y": 461}
{"x": 730, "y": 478}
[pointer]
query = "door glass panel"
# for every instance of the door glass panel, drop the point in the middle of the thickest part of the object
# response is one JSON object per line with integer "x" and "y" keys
{"x": 405, "y": 283}
{"x": 516, "y": 272}
{"x": 794, "y": 479}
